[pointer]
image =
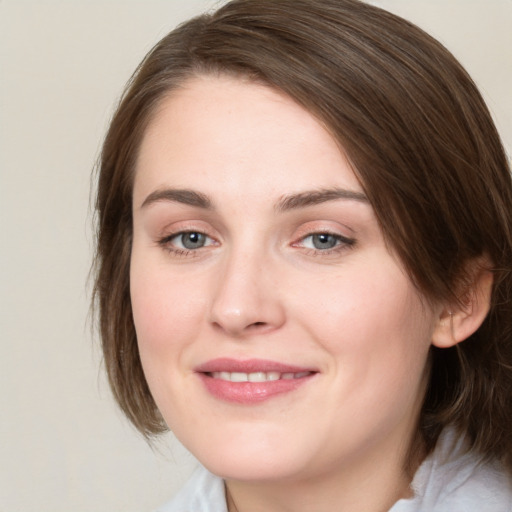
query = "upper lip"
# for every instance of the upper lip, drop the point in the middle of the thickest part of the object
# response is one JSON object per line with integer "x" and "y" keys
{"x": 225, "y": 364}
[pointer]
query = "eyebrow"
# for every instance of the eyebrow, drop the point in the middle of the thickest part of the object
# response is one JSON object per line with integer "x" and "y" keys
{"x": 286, "y": 203}
{"x": 183, "y": 196}
{"x": 313, "y": 197}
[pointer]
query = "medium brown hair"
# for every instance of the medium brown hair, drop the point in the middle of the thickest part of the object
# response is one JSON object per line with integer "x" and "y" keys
{"x": 420, "y": 140}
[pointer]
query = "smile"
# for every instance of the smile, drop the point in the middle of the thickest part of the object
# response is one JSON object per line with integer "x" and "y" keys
{"x": 251, "y": 381}
{"x": 257, "y": 376}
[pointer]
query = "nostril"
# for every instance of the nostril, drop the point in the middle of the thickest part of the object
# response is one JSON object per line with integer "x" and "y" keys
{"x": 257, "y": 326}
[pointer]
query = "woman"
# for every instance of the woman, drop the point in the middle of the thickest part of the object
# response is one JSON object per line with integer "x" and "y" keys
{"x": 304, "y": 263}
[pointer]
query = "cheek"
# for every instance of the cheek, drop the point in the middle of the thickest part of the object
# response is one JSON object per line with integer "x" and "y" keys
{"x": 371, "y": 319}
{"x": 376, "y": 334}
{"x": 165, "y": 309}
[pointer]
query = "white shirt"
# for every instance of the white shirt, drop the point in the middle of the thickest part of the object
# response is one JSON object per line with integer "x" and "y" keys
{"x": 449, "y": 480}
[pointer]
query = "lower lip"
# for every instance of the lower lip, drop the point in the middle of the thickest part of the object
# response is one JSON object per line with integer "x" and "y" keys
{"x": 250, "y": 392}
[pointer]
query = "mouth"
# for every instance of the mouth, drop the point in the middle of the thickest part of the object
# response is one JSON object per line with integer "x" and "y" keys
{"x": 251, "y": 381}
{"x": 257, "y": 376}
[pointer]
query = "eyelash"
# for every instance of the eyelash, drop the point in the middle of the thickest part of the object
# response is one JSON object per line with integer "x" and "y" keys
{"x": 342, "y": 243}
{"x": 166, "y": 243}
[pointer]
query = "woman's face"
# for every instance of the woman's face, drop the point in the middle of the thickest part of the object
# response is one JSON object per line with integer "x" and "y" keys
{"x": 278, "y": 334}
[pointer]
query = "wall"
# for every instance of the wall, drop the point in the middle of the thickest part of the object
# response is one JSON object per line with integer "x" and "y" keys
{"x": 63, "y": 444}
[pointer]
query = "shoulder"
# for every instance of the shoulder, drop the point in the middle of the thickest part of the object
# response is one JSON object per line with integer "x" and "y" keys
{"x": 477, "y": 487}
{"x": 454, "y": 480}
{"x": 203, "y": 492}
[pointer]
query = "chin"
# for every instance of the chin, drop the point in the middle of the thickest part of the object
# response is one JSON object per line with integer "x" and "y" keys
{"x": 272, "y": 467}
{"x": 261, "y": 458}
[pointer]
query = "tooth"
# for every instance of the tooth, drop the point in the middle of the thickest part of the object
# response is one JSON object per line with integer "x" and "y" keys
{"x": 257, "y": 377}
{"x": 238, "y": 377}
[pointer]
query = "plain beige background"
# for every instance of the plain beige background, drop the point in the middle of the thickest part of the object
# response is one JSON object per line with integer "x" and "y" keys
{"x": 63, "y": 444}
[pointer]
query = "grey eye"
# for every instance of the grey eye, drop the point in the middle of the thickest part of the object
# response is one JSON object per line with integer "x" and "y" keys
{"x": 191, "y": 240}
{"x": 324, "y": 241}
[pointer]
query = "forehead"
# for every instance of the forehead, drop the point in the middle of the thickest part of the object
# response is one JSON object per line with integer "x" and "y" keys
{"x": 216, "y": 131}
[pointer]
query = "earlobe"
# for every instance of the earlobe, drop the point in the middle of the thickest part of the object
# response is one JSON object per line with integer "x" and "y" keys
{"x": 458, "y": 321}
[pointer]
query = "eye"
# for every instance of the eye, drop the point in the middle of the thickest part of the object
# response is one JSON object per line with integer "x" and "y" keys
{"x": 325, "y": 242}
{"x": 321, "y": 241}
{"x": 186, "y": 241}
{"x": 190, "y": 240}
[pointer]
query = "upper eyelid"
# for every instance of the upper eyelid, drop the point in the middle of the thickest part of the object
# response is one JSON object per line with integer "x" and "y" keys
{"x": 306, "y": 230}
{"x": 331, "y": 224}
{"x": 175, "y": 234}
{"x": 187, "y": 226}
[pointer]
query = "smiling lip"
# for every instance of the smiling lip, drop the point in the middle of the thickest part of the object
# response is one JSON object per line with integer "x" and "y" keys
{"x": 251, "y": 381}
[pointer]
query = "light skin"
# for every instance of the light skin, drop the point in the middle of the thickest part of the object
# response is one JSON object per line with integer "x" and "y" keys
{"x": 253, "y": 239}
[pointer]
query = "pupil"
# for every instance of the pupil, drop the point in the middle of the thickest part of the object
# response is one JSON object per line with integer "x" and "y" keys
{"x": 324, "y": 241}
{"x": 193, "y": 240}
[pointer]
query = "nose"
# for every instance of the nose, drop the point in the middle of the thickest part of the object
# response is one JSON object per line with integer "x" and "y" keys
{"x": 246, "y": 298}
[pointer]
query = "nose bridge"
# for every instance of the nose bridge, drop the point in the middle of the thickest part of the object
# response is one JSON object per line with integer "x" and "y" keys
{"x": 244, "y": 299}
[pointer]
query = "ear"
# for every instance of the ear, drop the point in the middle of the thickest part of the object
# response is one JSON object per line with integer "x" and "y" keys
{"x": 460, "y": 319}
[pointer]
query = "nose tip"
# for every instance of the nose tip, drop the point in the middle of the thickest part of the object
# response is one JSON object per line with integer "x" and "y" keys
{"x": 235, "y": 322}
{"x": 246, "y": 302}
